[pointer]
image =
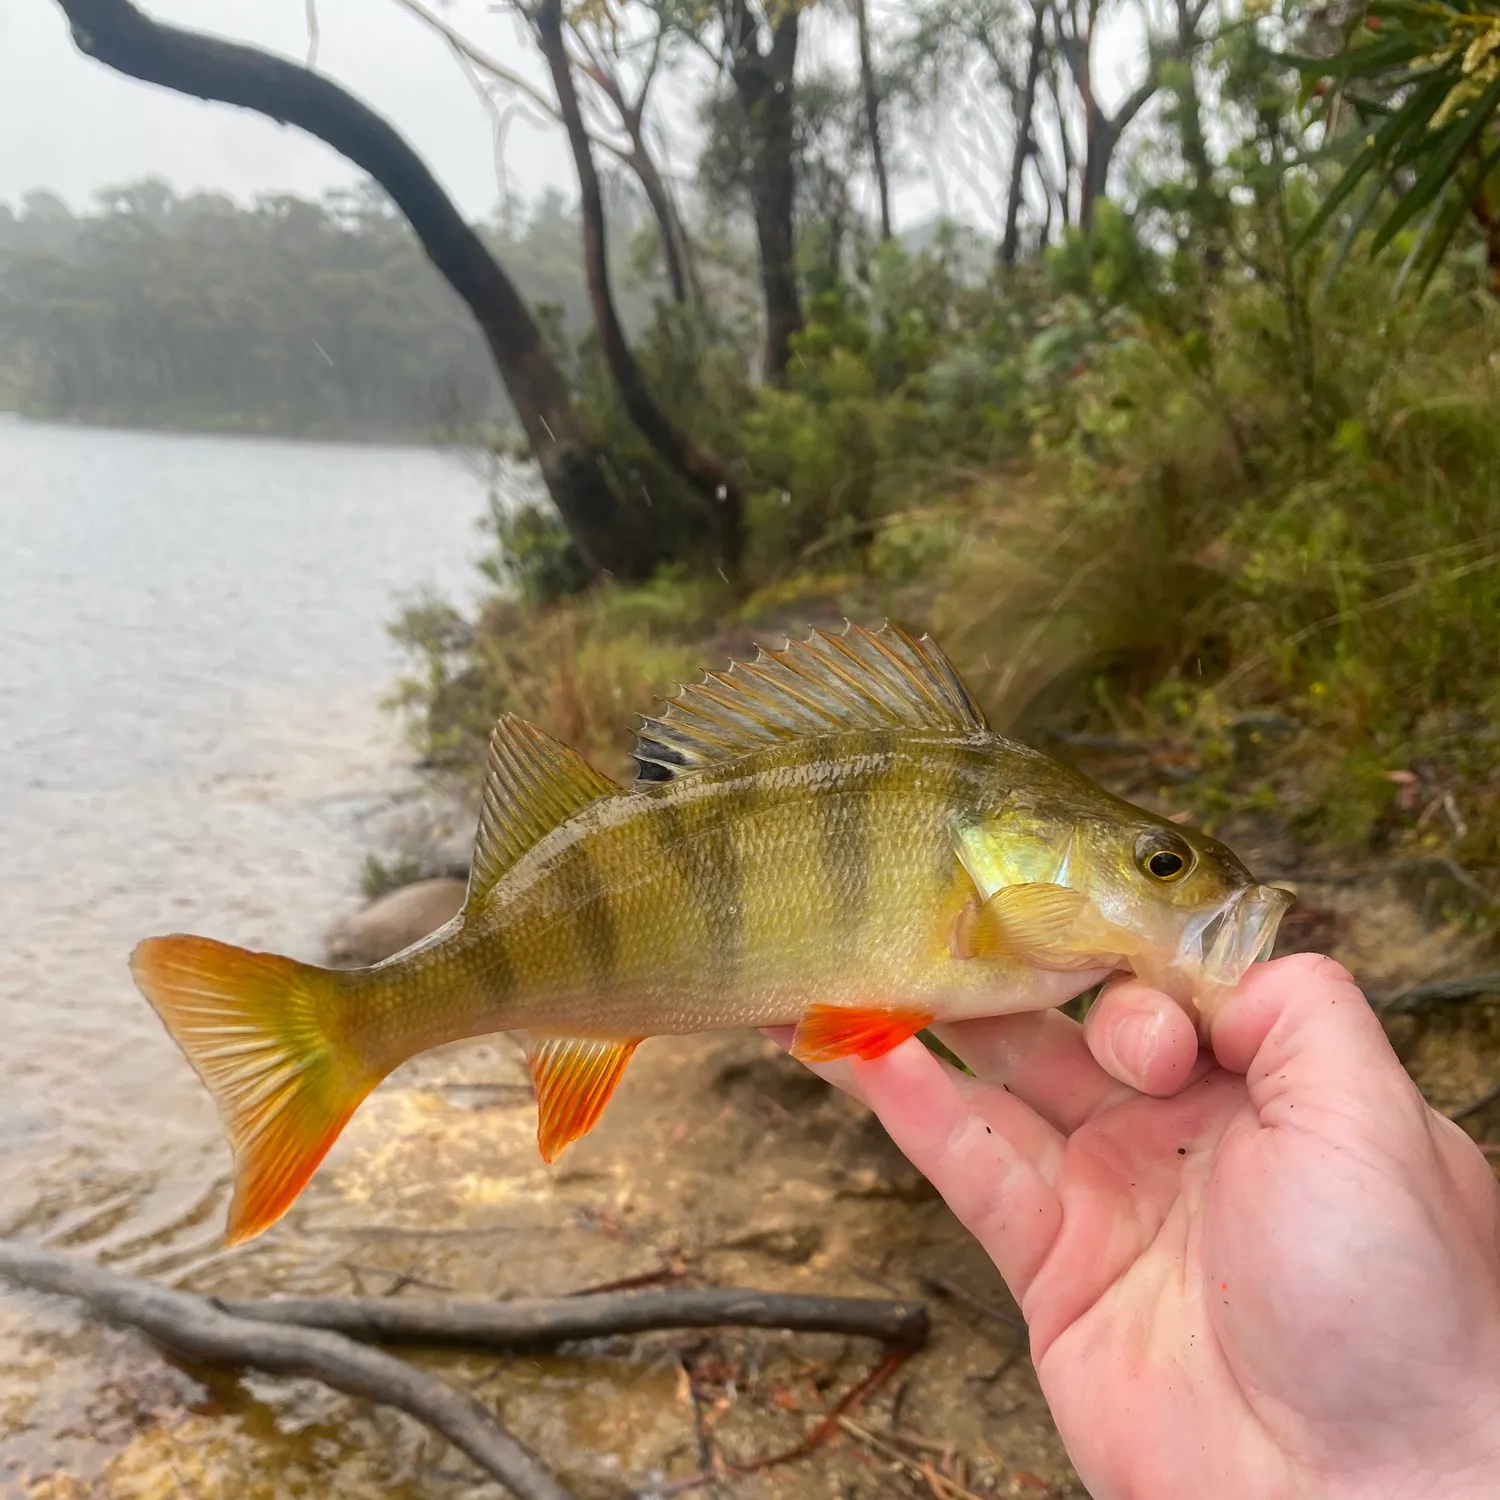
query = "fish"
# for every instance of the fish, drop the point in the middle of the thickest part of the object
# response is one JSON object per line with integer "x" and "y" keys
{"x": 828, "y": 836}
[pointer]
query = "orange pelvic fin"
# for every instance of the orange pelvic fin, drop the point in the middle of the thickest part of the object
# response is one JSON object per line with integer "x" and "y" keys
{"x": 255, "y": 1027}
{"x": 829, "y": 1032}
{"x": 574, "y": 1078}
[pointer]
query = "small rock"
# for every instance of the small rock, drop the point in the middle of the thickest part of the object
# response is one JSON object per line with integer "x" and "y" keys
{"x": 393, "y": 922}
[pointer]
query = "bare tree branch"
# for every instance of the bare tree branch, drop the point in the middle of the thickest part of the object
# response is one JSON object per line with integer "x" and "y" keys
{"x": 544, "y": 1322}
{"x": 1025, "y": 138}
{"x": 872, "y": 116}
{"x": 636, "y": 155}
{"x": 482, "y": 59}
{"x": 1102, "y": 131}
{"x": 193, "y": 1328}
{"x": 676, "y": 250}
{"x": 705, "y": 471}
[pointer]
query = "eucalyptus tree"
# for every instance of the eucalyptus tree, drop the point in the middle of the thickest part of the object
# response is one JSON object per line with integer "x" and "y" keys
{"x": 753, "y": 44}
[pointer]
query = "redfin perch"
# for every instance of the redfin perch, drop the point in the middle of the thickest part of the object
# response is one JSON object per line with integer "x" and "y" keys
{"x": 829, "y": 837}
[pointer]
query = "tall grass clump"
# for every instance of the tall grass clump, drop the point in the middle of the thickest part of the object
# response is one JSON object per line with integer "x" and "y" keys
{"x": 1305, "y": 542}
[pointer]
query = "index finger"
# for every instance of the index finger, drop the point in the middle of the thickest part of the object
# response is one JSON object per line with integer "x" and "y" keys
{"x": 1136, "y": 1040}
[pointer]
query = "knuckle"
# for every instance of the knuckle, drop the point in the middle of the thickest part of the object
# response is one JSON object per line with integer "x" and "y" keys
{"x": 1316, "y": 969}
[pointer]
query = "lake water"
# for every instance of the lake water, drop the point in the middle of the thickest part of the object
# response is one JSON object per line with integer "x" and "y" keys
{"x": 193, "y": 655}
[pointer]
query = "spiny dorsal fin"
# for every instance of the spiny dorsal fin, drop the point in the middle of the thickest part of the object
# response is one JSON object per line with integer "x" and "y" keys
{"x": 532, "y": 783}
{"x": 855, "y": 679}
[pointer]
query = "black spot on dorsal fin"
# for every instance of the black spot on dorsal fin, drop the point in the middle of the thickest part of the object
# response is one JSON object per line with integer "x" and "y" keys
{"x": 853, "y": 679}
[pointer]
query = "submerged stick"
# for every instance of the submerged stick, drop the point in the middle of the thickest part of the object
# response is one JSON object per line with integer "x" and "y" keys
{"x": 194, "y": 1328}
{"x": 545, "y": 1321}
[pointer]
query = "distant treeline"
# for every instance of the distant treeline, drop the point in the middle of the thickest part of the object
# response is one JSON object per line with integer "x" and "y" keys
{"x": 285, "y": 316}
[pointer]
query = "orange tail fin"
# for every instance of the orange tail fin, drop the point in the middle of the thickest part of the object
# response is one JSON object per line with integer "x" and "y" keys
{"x": 255, "y": 1026}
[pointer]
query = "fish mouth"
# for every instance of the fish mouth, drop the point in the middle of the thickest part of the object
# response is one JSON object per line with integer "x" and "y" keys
{"x": 1241, "y": 934}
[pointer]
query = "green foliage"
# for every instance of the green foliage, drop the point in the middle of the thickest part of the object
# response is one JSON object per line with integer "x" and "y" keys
{"x": 535, "y": 555}
{"x": 379, "y": 877}
{"x": 1420, "y": 82}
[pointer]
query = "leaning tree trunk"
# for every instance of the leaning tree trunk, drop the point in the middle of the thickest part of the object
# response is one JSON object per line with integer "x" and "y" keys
{"x": 764, "y": 84}
{"x": 872, "y": 116}
{"x": 702, "y": 469}
{"x": 675, "y": 251}
{"x": 608, "y": 535}
{"x": 1025, "y": 133}
{"x": 1102, "y": 140}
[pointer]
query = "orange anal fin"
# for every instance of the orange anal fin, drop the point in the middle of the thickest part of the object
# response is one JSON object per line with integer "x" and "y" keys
{"x": 574, "y": 1078}
{"x": 829, "y": 1032}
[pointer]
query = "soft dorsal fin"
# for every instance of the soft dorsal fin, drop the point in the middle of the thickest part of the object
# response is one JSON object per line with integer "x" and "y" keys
{"x": 854, "y": 679}
{"x": 532, "y": 783}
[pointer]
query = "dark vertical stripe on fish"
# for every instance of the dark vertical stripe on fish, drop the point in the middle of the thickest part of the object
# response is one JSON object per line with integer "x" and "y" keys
{"x": 848, "y": 846}
{"x": 698, "y": 842}
{"x": 588, "y": 902}
{"x": 497, "y": 973}
{"x": 954, "y": 773}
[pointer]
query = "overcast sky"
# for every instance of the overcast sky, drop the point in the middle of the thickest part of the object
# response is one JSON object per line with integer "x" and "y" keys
{"x": 74, "y": 126}
{"x": 70, "y": 124}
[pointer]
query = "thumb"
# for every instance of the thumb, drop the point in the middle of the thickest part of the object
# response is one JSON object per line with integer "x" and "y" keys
{"x": 1309, "y": 1045}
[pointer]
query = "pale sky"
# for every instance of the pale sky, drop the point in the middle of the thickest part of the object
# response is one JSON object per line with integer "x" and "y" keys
{"x": 74, "y": 126}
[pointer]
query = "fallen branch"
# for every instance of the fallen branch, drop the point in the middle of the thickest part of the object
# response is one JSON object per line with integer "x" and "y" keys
{"x": 194, "y": 1328}
{"x": 1487, "y": 1098}
{"x": 545, "y": 1321}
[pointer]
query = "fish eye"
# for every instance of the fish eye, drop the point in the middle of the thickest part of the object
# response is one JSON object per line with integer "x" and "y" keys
{"x": 1162, "y": 857}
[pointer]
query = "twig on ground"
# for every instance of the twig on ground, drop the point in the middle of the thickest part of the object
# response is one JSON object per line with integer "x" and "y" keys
{"x": 1440, "y": 992}
{"x": 677, "y": 1486}
{"x": 707, "y": 1463}
{"x": 668, "y": 1272}
{"x": 546, "y": 1321}
{"x": 941, "y": 1486}
{"x": 1487, "y": 1098}
{"x": 194, "y": 1328}
{"x": 1006, "y": 1365}
{"x": 947, "y": 1288}
{"x": 1438, "y": 864}
{"x": 829, "y": 1424}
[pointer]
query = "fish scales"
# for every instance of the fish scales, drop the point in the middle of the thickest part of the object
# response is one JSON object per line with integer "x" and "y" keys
{"x": 829, "y": 837}
{"x": 628, "y": 916}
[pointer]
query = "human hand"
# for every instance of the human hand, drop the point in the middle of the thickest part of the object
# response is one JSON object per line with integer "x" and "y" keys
{"x": 1281, "y": 1280}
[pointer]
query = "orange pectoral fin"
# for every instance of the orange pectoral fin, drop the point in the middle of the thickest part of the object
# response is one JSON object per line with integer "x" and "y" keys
{"x": 829, "y": 1032}
{"x": 574, "y": 1078}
